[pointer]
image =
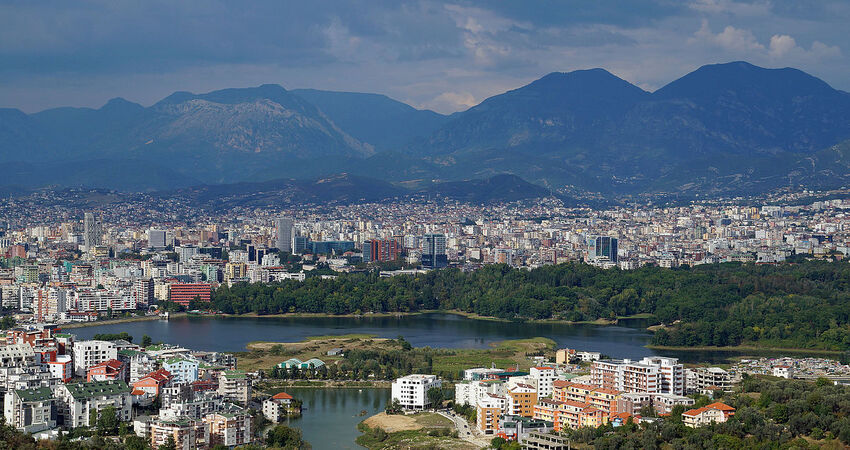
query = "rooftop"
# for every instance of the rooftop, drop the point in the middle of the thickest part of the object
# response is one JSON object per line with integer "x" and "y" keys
{"x": 97, "y": 388}
{"x": 35, "y": 394}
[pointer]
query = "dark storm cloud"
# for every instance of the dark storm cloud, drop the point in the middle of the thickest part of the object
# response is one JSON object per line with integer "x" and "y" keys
{"x": 442, "y": 55}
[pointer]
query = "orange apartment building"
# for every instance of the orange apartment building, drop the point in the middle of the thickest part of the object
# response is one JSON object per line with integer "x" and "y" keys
{"x": 604, "y": 399}
{"x": 152, "y": 383}
{"x": 521, "y": 400}
{"x": 490, "y": 407}
{"x": 569, "y": 414}
{"x": 107, "y": 370}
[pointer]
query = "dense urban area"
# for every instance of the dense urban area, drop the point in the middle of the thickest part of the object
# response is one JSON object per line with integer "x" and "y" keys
{"x": 741, "y": 273}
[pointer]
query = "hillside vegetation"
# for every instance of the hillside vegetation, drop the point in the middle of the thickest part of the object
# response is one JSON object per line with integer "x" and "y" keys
{"x": 805, "y": 305}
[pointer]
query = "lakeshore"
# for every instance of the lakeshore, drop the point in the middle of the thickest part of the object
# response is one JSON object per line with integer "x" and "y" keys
{"x": 98, "y": 323}
{"x": 747, "y": 348}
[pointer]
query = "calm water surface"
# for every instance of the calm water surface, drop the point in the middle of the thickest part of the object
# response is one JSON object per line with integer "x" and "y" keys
{"x": 330, "y": 416}
{"x": 434, "y": 330}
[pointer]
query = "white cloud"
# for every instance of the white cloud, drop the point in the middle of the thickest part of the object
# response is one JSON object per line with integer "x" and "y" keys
{"x": 780, "y": 45}
{"x": 758, "y": 8}
{"x": 450, "y": 102}
{"x": 731, "y": 38}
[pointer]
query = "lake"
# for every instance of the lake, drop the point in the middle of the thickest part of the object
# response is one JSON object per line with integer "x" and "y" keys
{"x": 330, "y": 416}
{"x": 436, "y": 330}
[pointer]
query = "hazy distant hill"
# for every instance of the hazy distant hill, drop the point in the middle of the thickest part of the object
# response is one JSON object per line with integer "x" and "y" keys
{"x": 593, "y": 130}
{"x": 346, "y": 188}
{"x": 375, "y": 119}
{"x": 724, "y": 128}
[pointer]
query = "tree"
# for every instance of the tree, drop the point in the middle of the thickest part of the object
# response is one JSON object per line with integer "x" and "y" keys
{"x": 435, "y": 397}
{"x": 393, "y": 407}
{"x": 169, "y": 444}
{"x": 107, "y": 422}
{"x": 146, "y": 341}
{"x": 133, "y": 442}
{"x": 285, "y": 437}
{"x": 497, "y": 442}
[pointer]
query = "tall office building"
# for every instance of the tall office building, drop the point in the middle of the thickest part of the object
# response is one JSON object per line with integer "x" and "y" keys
{"x": 284, "y": 233}
{"x": 92, "y": 231}
{"x": 434, "y": 251}
{"x": 299, "y": 244}
{"x": 380, "y": 250}
{"x": 156, "y": 238}
{"x": 602, "y": 248}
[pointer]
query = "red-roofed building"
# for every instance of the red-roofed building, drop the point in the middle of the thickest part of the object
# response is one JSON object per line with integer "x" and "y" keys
{"x": 713, "y": 413}
{"x": 107, "y": 370}
{"x": 152, "y": 383}
{"x": 204, "y": 385}
{"x": 280, "y": 406}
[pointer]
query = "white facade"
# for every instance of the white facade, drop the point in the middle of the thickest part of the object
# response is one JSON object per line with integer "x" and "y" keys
{"x": 412, "y": 391}
{"x": 545, "y": 379}
{"x": 183, "y": 370}
{"x": 90, "y": 353}
{"x": 651, "y": 375}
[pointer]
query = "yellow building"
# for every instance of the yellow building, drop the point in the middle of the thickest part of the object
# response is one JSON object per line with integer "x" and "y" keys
{"x": 235, "y": 270}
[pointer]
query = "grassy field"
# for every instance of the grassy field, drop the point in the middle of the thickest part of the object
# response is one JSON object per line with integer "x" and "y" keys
{"x": 504, "y": 354}
{"x": 266, "y": 355}
{"x": 418, "y": 431}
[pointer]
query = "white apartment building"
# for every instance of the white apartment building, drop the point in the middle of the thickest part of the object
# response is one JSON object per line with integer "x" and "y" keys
{"x": 184, "y": 370}
{"x": 412, "y": 391}
{"x": 90, "y": 353}
{"x": 15, "y": 355}
{"x": 29, "y": 410}
{"x": 471, "y": 392}
{"x": 650, "y": 375}
{"x": 544, "y": 378}
{"x": 235, "y": 385}
{"x": 77, "y": 400}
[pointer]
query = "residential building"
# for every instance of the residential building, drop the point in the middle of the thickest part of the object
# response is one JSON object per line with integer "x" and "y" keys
{"x": 16, "y": 355}
{"x": 183, "y": 370}
{"x": 490, "y": 407}
{"x": 230, "y": 427}
{"x": 649, "y": 375}
{"x": 783, "y": 372}
{"x": 30, "y": 410}
{"x": 412, "y": 391}
{"x": 544, "y": 378}
{"x": 107, "y": 370}
{"x": 381, "y": 250}
{"x": 183, "y": 293}
{"x": 564, "y": 355}
{"x": 521, "y": 399}
{"x": 603, "y": 399}
{"x": 279, "y": 406}
{"x": 152, "y": 383}
{"x": 62, "y": 368}
{"x": 77, "y": 400}
{"x": 713, "y": 413}
{"x": 91, "y": 353}
{"x": 664, "y": 403}
{"x": 235, "y": 385}
{"x": 188, "y": 434}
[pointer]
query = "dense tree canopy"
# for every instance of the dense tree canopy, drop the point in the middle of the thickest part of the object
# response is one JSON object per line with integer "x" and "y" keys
{"x": 790, "y": 305}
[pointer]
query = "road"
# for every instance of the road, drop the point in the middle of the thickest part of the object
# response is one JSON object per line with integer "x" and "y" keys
{"x": 465, "y": 431}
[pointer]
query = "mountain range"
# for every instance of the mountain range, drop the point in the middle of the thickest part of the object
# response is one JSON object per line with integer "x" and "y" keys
{"x": 731, "y": 128}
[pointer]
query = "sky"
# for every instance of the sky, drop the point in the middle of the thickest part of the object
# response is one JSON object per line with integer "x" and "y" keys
{"x": 445, "y": 56}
